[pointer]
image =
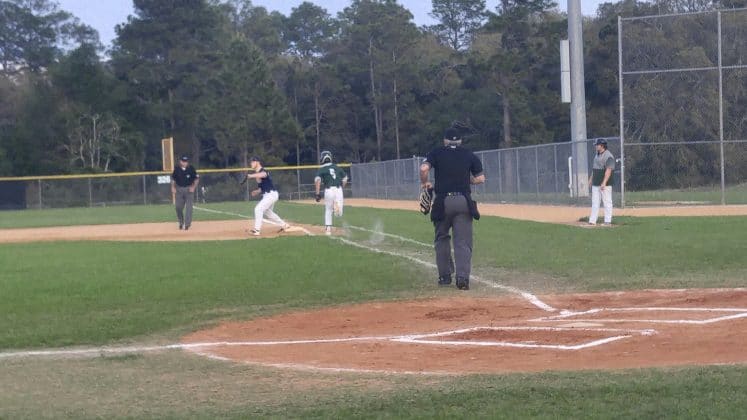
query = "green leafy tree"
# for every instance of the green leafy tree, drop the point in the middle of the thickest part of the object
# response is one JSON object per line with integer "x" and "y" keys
{"x": 166, "y": 52}
{"x": 246, "y": 112}
{"x": 459, "y": 20}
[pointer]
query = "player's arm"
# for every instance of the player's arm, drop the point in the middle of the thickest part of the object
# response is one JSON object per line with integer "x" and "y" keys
{"x": 318, "y": 188}
{"x": 256, "y": 192}
{"x": 257, "y": 175}
{"x": 476, "y": 170}
{"x": 609, "y": 167}
{"x": 344, "y": 178}
{"x": 195, "y": 183}
{"x": 425, "y": 169}
{"x": 607, "y": 175}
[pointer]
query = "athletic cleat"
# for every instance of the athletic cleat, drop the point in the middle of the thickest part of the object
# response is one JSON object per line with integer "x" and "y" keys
{"x": 444, "y": 281}
{"x": 254, "y": 232}
{"x": 284, "y": 228}
{"x": 181, "y": 226}
{"x": 462, "y": 283}
{"x": 328, "y": 231}
{"x": 186, "y": 227}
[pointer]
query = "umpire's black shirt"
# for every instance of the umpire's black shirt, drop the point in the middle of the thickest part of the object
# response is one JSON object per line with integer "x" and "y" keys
{"x": 453, "y": 165}
{"x": 184, "y": 177}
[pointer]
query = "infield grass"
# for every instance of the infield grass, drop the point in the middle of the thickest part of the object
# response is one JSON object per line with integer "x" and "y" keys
{"x": 91, "y": 293}
{"x": 85, "y": 293}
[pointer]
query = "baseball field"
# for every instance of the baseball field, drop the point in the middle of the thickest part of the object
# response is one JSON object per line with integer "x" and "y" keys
{"x": 113, "y": 312}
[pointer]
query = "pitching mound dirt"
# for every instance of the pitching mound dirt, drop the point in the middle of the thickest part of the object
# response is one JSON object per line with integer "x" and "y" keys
{"x": 462, "y": 334}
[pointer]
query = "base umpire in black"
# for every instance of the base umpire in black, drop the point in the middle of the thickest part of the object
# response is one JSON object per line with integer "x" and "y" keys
{"x": 456, "y": 168}
{"x": 184, "y": 181}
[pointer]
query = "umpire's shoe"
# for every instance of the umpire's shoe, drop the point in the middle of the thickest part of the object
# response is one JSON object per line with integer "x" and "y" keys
{"x": 444, "y": 280}
{"x": 462, "y": 283}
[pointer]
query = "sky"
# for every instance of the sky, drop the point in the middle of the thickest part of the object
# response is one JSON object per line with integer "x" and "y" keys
{"x": 104, "y": 15}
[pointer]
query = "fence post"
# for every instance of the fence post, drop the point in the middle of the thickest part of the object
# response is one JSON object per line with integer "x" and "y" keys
{"x": 721, "y": 112}
{"x": 500, "y": 175}
{"x": 90, "y": 192}
{"x": 145, "y": 191}
{"x": 537, "y": 171}
{"x": 620, "y": 88}
{"x": 39, "y": 185}
{"x": 555, "y": 166}
{"x": 518, "y": 181}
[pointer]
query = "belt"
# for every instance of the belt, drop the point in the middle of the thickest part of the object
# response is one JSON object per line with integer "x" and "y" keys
{"x": 455, "y": 193}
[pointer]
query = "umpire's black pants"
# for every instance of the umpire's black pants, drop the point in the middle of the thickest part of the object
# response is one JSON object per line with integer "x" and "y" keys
{"x": 457, "y": 220}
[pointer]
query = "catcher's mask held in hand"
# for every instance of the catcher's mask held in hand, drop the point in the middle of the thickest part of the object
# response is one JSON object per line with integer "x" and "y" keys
{"x": 426, "y": 200}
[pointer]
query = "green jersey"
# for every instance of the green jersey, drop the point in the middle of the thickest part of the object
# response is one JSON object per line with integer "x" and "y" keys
{"x": 331, "y": 175}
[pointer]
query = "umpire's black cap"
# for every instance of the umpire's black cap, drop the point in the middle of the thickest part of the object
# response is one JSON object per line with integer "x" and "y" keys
{"x": 452, "y": 134}
{"x": 184, "y": 158}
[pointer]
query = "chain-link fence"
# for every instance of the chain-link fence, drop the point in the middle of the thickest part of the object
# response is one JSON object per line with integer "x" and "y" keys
{"x": 533, "y": 174}
{"x": 683, "y": 107}
{"x": 144, "y": 188}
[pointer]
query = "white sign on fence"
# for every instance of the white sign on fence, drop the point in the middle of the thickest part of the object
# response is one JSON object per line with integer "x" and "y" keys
{"x": 164, "y": 179}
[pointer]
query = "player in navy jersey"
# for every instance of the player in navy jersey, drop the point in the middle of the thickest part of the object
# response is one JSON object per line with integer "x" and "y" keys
{"x": 265, "y": 207}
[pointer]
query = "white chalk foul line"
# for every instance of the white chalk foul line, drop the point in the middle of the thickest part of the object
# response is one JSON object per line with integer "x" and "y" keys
{"x": 531, "y": 298}
{"x": 534, "y": 300}
{"x": 390, "y": 235}
{"x": 242, "y": 216}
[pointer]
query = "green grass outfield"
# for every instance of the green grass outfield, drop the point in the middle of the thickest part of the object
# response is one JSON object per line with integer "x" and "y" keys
{"x": 85, "y": 293}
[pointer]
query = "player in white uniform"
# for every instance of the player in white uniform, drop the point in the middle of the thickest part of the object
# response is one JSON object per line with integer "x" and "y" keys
{"x": 334, "y": 179}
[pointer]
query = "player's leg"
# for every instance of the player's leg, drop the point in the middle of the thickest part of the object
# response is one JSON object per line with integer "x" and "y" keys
{"x": 595, "y": 197}
{"x": 179, "y": 203}
{"x": 339, "y": 198}
{"x": 607, "y": 199}
{"x": 329, "y": 203}
{"x": 259, "y": 211}
{"x": 270, "y": 211}
{"x": 189, "y": 202}
{"x": 462, "y": 231}
{"x": 442, "y": 244}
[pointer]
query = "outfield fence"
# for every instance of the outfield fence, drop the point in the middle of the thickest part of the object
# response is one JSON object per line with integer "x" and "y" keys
{"x": 532, "y": 174}
{"x": 216, "y": 185}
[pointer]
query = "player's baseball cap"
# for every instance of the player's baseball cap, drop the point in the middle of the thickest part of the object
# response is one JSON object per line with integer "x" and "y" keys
{"x": 603, "y": 142}
{"x": 184, "y": 158}
{"x": 255, "y": 159}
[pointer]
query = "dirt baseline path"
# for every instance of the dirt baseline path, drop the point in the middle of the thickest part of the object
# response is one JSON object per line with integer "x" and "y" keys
{"x": 151, "y": 232}
{"x": 492, "y": 335}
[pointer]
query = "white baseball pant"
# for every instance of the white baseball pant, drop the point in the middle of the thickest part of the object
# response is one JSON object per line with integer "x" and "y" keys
{"x": 606, "y": 196}
{"x": 333, "y": 202}
{"x": 265, "y": 209}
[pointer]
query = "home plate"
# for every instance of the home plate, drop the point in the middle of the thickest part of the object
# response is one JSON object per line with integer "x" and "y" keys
{"x": 581, "y": 325}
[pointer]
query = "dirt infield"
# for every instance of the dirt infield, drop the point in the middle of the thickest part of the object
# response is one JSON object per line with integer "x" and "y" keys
{"x": 492, "y": 335}
{"x": 561, "y": 214}
{"x": 155, "y": 232}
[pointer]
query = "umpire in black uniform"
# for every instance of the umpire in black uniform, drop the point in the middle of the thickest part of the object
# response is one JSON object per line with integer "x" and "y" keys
{"x": 184, "y": 181}
{"x": 456, "y": 168}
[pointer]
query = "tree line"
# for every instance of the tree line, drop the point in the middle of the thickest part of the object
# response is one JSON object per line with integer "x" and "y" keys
{"x": 228, "y": 80}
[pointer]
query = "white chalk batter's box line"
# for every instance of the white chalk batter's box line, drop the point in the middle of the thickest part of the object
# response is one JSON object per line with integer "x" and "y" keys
{"x": 428, "y": 339}
{"x": 736, "y": 313}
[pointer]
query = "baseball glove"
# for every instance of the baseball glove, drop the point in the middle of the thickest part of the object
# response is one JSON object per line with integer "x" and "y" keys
{"x": 426, "y": 200}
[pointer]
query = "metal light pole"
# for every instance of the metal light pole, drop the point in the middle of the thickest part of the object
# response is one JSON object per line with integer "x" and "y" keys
{"x": 578, "y": 98}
